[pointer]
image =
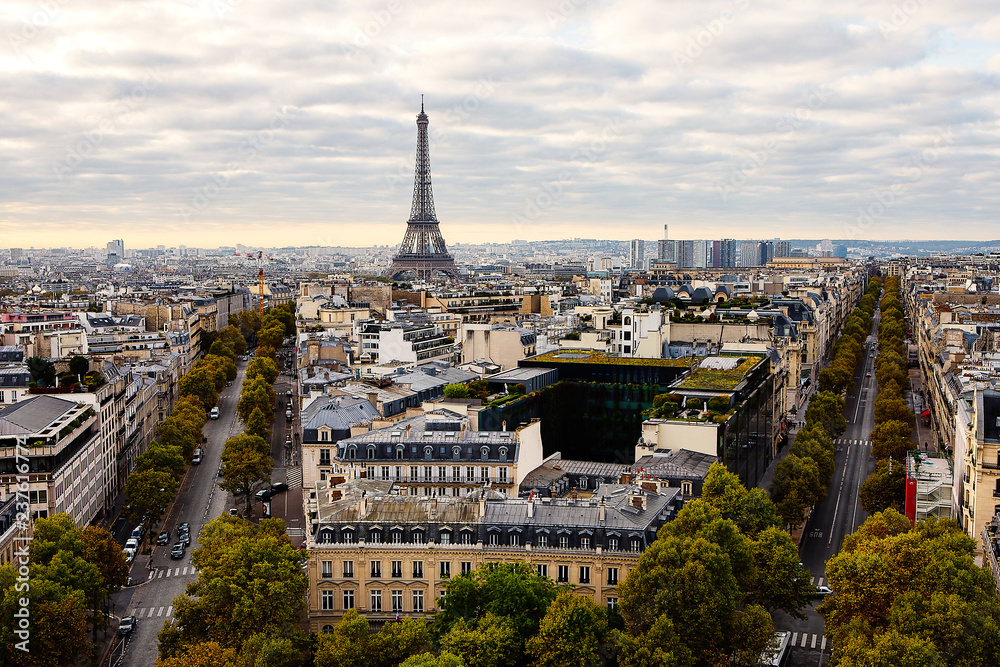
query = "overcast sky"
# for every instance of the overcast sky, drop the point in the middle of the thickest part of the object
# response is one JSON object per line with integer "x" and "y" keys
{"x": 215, "y": 122}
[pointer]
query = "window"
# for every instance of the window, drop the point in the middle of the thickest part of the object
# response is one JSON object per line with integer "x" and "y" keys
{"x": 612, "y": 544}
{"x": 428, "y": 453}
{"x": 503, "y": 453}
{"x": 324, "y": 436}
{"x": 385, "y": 473}
{"x": 515, "y": 539}
{"x": 445, "y": 569}
{"x": 584, "y": 574}
{"x": 445, "y": 537}
{"x": 376, "y": 601}
{"x": 442, "y": 474}
{"x": 543, "y": 541}
{"x": 502, "y": 478}
{"x": 612, "y": 576}
{"x": 376, "y": 569}
{"x": 324, "y": 456}
{"x": 396, "y": 537}
{"x": 418, "y": 537}
{"x": 413, "y": 473}
{"x": 465, "y": 537}
{"x": 352, "y": 455}
{"x": 470, "y": 474}
{"x": 348, "y": 537}
{"x": 399, "y": 452}
{"x": 494, "y": 539}
{"x": 584, "y": 542}
{"x": 466, "y": 566}
{"x": 375, "y": 537}
{"x": 583, "y": 482}
{"x": 612, "y": 604}
{"x": 397, "y": 569}
{"x": 456, "y": 453}
{"x": 38, "y": 497}
{"x": 348, "y": 600}
{"x": 456, "y": 474}
{"x": 484, "y": 453}
{"x": 543, "y": 570}
{"x": 563, "y": 542}
{"x": 399, "y": 474}
{"x": 327, "y": 629}
{"x": 635, "y": 544}
{"x": 327, "y": 600}
{"x": 627, "y": 335}
{"x": 563, "y": 574}
{"x": 397, "y": 600}
{"x": 371, "y": 452}
{"x": 418, "y": 601}
{"x": 418, "y": 569}
{"x": 686, "y": 488}
{"x": 327, "y": 567}
{"x": 427, "y": 473}
{"x": 348, "y": 569}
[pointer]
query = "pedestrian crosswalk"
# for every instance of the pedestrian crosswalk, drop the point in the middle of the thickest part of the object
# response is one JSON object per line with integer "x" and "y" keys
{"x": 154, "y": 612}
{"x": 849, "y": 441}
{"x": 808, "y": 640}
{"x": 162, "y": 573}
{"x": 819, "y": 581}
{"x": 294, "y": 475}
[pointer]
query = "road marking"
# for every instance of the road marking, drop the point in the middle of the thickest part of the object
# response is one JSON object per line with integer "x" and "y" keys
{"x": 177, "y": 572}
{"x": 805, "y": 638}
{"x": 813, "y": 642}
{"x": 814, "y": 581}
{"x": 822, "y": 646}
{"x": 836, "y": 508}
{"x": 159, "y": 574}
{"x": 184, "y": 573}
{"x": 160, "y": 612}
{"x": 170, "y": 610}
{"x": 794, "y": 636}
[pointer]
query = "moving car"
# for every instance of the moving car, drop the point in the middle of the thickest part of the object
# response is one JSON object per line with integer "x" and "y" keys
{"x": 196, "y": 459}
{"x": 823, "y": 591}
{"x": 214, "y": 414}
{"x": 184, "y": 528}
{"x": 178, "y": 551}
{"x": 266, "y": 494}
{"x": 163, "y": 539}
{"x": 184, "y": 539}
{"x": 288, "y": 415}
{"x": 137, "y": 532}
{"x": 129, "y": 555}
{"x": 126, "y": 625}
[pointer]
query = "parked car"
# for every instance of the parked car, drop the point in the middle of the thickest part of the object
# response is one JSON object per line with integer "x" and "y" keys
{"x": 126, "y": 625}
{"x": 823, "y": 591}
{"x": 178, "y": 551}
{"x": 288, "y": 439}
{"x": 196, "y": 459}
{"x": 129, "y": 555}
{"x": 132, "y": 544}
{"x": 184, "y": 528}
{"x": 163, "y": 539}
{"x": 288, "y": 415}
{"x": 220, "y": 471}
{"x": 138, "y": 532}
{"x": 233, "y": 511}
{"x": 214, "y": 414}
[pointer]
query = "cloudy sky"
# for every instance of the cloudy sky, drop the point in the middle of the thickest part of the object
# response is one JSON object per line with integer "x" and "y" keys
{"x": 208, "y": 122}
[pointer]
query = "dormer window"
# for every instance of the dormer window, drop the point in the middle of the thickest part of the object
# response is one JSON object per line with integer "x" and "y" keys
{"x": 503, "y": 453}
{"x": 371, "y": 451}
{"x": 456, "y": 453}
{"x": 428, "y": 453}
{"x": 485, "y": 453}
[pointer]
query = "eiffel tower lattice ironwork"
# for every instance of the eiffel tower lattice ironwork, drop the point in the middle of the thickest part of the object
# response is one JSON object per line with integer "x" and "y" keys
{"x": 423, "y": 252}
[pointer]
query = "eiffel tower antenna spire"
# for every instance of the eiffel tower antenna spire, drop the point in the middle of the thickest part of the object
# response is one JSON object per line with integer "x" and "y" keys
{"x": 423, "y": 250}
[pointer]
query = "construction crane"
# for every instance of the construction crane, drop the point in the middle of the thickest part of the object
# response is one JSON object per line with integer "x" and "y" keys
{"x": 259, "y": 258}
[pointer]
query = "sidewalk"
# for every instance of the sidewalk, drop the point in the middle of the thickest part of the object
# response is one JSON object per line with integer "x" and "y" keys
{"x": 796, "y": 421}
{"x": 924, "y": 435}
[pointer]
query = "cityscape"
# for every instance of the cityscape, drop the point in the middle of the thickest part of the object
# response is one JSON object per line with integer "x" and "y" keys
{"x": 584, "y": 405}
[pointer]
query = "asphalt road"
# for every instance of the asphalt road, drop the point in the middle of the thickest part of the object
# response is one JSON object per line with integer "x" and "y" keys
{"x": 199, "y": 501}
{"x": 841, "y": 513}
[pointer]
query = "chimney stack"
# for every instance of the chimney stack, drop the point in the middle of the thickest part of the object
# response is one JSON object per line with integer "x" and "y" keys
{"x": 373, "y": 399}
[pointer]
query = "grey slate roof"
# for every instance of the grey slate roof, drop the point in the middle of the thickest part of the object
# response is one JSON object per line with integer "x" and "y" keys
{"x": 339, "y": 413}
{"x": 32, "y": 415}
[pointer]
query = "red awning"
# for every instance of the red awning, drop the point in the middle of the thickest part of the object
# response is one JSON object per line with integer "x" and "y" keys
{"x": 925, "y": 413}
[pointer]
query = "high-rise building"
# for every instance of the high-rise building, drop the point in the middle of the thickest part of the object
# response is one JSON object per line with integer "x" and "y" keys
{"x": 782, "y": 248}
{"x": 840, "y": 250}
{"x": 766, "y": 251}
{"x": 665, "y": 247}
{"x": 116, "y": 251}
{"x": 637, "y": 254}
{"x": 692, "y": 254}
{"x": 723, "y": 254}
{"x": 750, "y": 253}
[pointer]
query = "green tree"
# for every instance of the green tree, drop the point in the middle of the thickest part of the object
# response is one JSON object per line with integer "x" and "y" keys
{"x": 443, "y": 659}
{"x": 220, "y": 349}
{"x": 827, "y": 409}
{"x": 571, "y": 634}
{"x": 891, "y": 408}
{"x": 257, "y": 394}
{"x": 43, "y": 372}
{"x": 781, "y": 581}
{"x": 510, "y": 590}
{"x": 456, "y": 390}
{"x": 891, "y": 438}
{"x": 149, "y": 492}
{"x": 751, "y": 510}
{"x": 258, "y": 425}
{"x": 79, "y": 366}
{"x": 795, "y": 488}
{"x": 752, "y": 633}
{"x": 490, "y": 641}
{"x": 884, "y": 488}
{"x": 202, "y": 654}
{"x": 262, "y": 367}
{"x": 200, "y": 382}
{"x": 162, "y": 458}
{"x": 233, "y": 339}
{"x": 180, "y": 433}
{"x": 250, "y": 581}
{"x": 246, "y": 464}
{"x": 272, "y": 336}
{"x": 58, "y": 632}
{"x": 352, "y": 644}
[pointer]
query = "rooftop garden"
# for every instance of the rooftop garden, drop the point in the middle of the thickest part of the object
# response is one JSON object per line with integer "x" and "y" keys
{"x": 714, "y": 379}
{"x": 597, "y": 357}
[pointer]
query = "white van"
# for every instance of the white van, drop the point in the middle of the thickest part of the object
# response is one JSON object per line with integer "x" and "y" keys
{"x": 215, "y": 413}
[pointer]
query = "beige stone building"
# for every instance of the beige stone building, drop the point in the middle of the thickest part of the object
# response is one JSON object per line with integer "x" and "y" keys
{"x": 391, "y": 556}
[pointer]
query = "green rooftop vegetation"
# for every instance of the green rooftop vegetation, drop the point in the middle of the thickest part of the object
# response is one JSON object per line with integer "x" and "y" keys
{"x": 717, "y": 379}
{"x": 596, "y": 357}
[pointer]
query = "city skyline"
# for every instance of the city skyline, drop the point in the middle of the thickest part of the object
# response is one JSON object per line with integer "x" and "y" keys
{"x": 861, "y": 120}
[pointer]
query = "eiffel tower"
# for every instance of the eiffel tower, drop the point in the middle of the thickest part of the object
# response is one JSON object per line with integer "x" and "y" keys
{"x": 422, "y": 251}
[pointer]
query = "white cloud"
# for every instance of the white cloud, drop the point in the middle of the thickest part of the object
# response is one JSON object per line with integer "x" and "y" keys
{"x": 717, "y": 117}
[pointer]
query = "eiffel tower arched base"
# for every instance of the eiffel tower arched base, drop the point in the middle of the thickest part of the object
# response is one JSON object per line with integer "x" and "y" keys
{"x": 425, "y": 268}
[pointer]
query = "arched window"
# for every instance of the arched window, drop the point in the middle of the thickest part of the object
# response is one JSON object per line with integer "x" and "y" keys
{"x": 371, "y": 451}
{"x": 327, "y": 629}
{"x": 686, "y": 488}
{"x": 503, "y": 453}
{"x": 485, "y": 453}
{"x": 428, "y": 453}
{"x": 399, "y": 451}
{"x": 627, "y": 321}
{"x": 456, "y": 452}
{"x": 352, "y": 453}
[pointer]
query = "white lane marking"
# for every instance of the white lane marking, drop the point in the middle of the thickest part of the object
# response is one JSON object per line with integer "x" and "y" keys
{"x": 822, "y": 646}
{"x": 813, "y": 642}
{"x": 159, "y": 574}
{"x": 160, "y": 612}
{"x": 805, "y": 638}
{"x": 170, "y": 610}
{"x": 794, "y": 637}
{"x": 185, "y": 570}
{"x": 814, "y": 581}
{"x": 840, "y": 492}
